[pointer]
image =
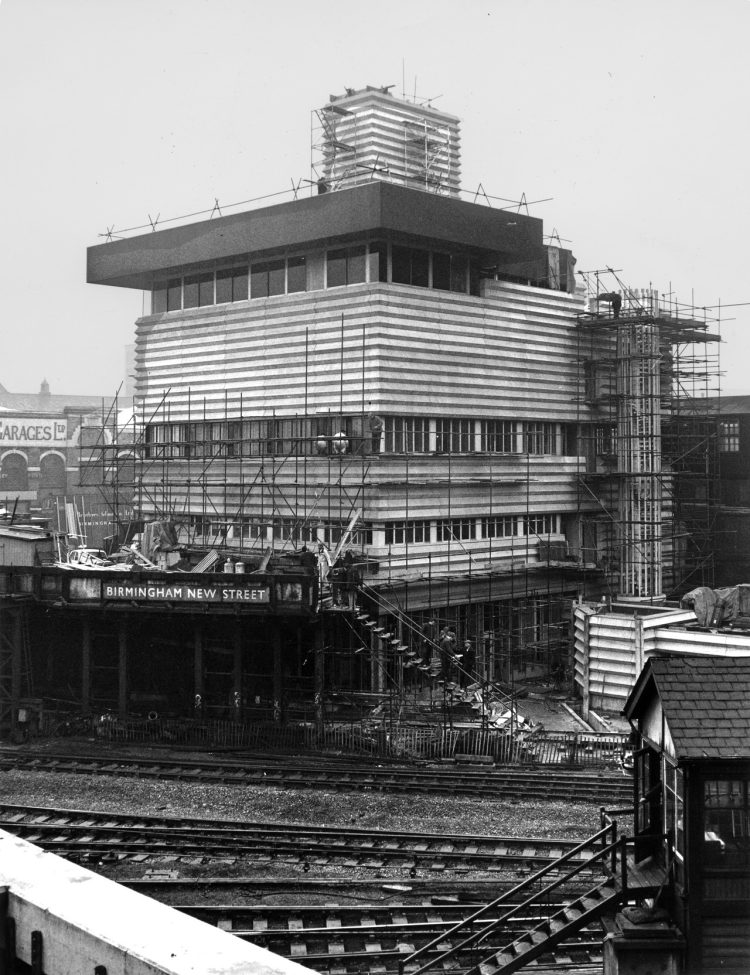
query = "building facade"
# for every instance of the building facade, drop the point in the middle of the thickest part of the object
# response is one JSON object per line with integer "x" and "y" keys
{"x": 380, "y": 364}
{"x": 388, "y": 369}
{"x": 41, "y": 440}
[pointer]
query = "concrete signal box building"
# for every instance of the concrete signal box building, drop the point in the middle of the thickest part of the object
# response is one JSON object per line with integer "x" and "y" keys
{"x": 387, "y": 365}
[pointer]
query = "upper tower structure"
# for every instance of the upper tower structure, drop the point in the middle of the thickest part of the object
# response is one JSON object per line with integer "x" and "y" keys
{"x": 369, "y": 134}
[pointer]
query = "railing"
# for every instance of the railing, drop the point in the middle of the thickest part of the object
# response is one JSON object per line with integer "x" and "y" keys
{"x": 607, "y": 850}
{"x": 258, "y": 728}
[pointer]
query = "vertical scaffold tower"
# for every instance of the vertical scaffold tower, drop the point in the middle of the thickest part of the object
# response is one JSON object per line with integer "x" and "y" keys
{"x": 648, "y": 378}
{"x": 639, "y": 455}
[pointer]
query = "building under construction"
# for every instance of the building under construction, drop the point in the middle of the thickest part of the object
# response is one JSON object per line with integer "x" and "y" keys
{"x": 415, "y": 400}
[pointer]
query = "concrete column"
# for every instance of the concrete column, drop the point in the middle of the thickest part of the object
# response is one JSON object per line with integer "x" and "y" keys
{"x": 86, "y": 663}
{"x": 198, "y": 668}
{"x": 373, "y": 663}
{"x": 319, "y": 679}
{"x": 122, "y": 668}
{"x": 237, "y": 671}
{"x": 278, "y": 672}
{"x": 15, "y": 670}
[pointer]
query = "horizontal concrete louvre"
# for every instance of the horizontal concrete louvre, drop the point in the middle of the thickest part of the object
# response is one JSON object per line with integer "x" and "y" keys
{"x": 502, "y": 386}
{"x": 683, "y": 641}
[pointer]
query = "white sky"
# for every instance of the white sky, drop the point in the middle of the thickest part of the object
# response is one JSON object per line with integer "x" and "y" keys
{"x": 631, "y": 114}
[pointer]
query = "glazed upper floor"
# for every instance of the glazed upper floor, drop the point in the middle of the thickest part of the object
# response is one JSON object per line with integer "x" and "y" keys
{"x": 386, "y": 233}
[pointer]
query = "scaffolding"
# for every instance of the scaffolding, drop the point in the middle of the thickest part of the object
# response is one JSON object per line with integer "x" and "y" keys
{"x": 649, "y": 376}
{"x": 250, "y": 490}
{"x": 370, "y": 135}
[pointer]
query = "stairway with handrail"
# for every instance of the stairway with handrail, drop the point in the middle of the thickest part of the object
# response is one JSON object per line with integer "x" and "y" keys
{"x": 604, "y": 853}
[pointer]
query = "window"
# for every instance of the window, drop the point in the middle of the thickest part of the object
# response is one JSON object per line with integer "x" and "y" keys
{"x": 539, "y": 438}
{"x": 254, "y": 438}
{"x": 604, "y": 438}
{"x": 174, "y": 294}
{"x": 14, "y": 474}
{"x": 296, "y": 275}
{"x": 674, "y": 814}
{"x": 291, "y": 529}
{"x": 409, "y": 265}
{"x": 267, "y": 279}
{"x": 200, "y": 525}
{"x": 159, "y": 298}
{"x": 250, "y": 530}
{"x": 158, "y": 439}
{"x": 441, "y": 271}
{"x": 499, "y": 436}
{"x": 729, "y": 436}
{"x": 407, "y": 434}
{"x": 726, "y": 823}
{"x": 198, "y": 290}
{"x": 541, "y": 525}
{"x": 187, "y": 439}
{"x": 454, "y": 436}
{"x": 449, "y": 272}
{"x": 504, "y": 526}
{"x": 407, "y": 532}
{"x": 346, "y": 266}
{"x": 231, "y": 284}
{"x": 234, "y": 438}
{"x": 379, "y": 261}
{"x": 362, "y": 536}
{"x": 455, "y": 529}
{"x": 458, "y": 273}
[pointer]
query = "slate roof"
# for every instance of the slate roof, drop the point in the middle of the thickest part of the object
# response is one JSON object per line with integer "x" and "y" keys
{"x": 24, "y": 403}
{"x": 722, "y": 405}
{"x": 706, "y": 702}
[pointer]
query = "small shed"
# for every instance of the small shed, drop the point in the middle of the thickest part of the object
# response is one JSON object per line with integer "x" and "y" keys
{"x": 25, "y": 545}
{"x": 692, "y": 801}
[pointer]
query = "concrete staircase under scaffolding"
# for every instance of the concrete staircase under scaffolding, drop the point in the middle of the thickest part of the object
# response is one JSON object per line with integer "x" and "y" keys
{"x": 380, "y": 631}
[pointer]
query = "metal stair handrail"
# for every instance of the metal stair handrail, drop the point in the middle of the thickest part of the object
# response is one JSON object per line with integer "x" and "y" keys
{"x": 415, "y": 628}
{"x": 607, "y": 849}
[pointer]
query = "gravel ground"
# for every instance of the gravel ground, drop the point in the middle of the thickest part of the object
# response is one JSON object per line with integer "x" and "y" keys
{"x": 312, "y": 807}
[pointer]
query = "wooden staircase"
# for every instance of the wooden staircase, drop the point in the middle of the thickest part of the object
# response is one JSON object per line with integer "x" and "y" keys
{"x": 542, "y": 939}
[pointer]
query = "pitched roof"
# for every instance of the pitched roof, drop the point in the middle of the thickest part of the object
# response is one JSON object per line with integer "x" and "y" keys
{"x": 23, "y": 403}
{"x": 706, "y": 702}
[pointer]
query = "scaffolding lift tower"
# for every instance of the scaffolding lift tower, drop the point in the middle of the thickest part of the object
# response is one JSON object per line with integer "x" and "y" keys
{"x": 647, "y": 366}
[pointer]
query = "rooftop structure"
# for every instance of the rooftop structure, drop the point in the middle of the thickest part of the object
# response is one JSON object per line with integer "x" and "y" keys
{"x": 369, "y": 134}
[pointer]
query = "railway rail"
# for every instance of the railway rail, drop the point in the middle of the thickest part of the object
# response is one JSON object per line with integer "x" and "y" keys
{"x": 491, "y": 782}
{"x": 358, "y": 939}
{"x": 85, "y": 834}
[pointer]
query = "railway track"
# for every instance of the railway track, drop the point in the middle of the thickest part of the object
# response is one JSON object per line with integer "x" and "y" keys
{"x": 84, "y": 834}
{"x": 602, "y": 787}
{"x": 368, "y": 937}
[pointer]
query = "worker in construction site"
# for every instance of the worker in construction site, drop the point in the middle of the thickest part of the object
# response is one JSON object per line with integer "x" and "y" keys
{"x": 376, "y": 430}
{"x": 615, "y": 300}
{"x": 447, "y": 643}
{"x": 468, "y": 663}
{"x": 428, "y": 643}
{"x": 307, "y": 559}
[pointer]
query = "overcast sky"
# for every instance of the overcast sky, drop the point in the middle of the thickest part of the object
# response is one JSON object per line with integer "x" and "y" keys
{"x": 632, "y": 115}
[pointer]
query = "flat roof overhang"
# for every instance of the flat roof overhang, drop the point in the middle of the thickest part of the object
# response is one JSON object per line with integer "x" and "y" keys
{"x": 370, "y": 209}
